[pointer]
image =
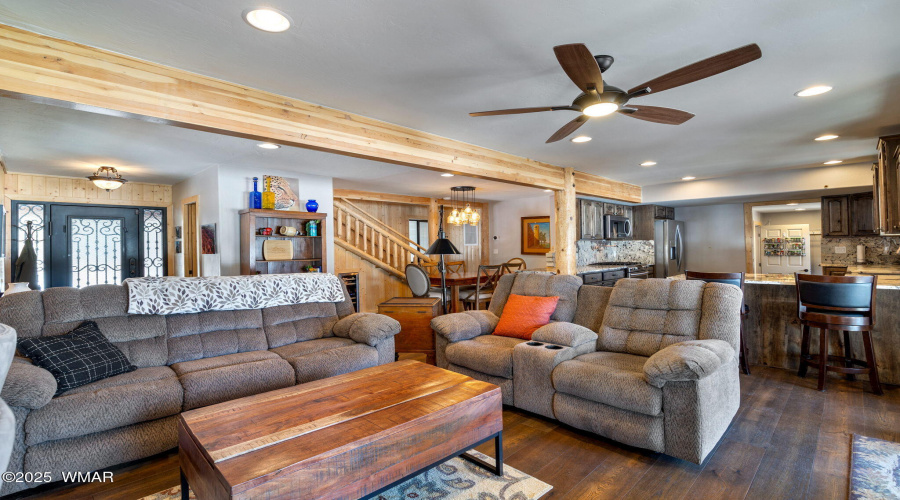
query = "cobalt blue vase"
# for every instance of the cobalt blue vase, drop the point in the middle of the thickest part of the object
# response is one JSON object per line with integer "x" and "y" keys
{"x": 312, "y": 206}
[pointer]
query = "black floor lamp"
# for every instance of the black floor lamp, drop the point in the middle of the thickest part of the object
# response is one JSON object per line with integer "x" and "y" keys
{"x": 442, "y": 246}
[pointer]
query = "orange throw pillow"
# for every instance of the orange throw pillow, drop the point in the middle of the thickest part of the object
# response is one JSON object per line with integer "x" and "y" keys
{"x": 522, "y": 315}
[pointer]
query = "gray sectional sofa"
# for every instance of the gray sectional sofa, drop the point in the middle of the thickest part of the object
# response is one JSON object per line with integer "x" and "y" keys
{"x": 184, "y": 361}
{"x": 649, "y": 363}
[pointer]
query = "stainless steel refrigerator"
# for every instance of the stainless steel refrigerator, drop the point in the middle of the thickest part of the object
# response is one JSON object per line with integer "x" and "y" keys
{"x": 669, "y": 245}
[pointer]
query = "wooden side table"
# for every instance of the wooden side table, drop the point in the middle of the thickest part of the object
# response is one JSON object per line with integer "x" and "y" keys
{"x": 414, "y": 315}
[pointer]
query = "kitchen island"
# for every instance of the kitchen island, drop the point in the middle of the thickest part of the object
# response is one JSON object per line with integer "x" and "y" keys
{"x": 772, "y": 330}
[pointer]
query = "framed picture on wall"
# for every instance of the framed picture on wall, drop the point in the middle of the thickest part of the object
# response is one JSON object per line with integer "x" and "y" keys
{"x": 535, "y": 235}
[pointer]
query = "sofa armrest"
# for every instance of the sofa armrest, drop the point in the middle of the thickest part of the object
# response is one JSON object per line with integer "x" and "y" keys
{"x": 465, "y": 325}
{"x": 686, "y": 361}
{"x": 28, "y": 385}
{"x": 367, "y": 328}
{"x": 563, "y": 333}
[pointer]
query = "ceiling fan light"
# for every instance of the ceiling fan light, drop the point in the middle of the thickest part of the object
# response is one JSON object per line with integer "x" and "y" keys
{"x": 601, "y": 109}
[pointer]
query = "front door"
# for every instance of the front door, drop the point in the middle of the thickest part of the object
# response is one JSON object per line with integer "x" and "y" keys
{"x": 784, "y": 249}
{"x": 93, "y": 245}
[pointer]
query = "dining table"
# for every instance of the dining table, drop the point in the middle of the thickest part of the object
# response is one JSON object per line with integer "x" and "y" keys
{"x": 454, "y": 280}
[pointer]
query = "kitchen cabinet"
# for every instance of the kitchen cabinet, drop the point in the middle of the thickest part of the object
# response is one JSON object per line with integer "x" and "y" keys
{"x": 886, "y": 186}
{"x": 835, "y": 216}
{"x": 862, "y": 215}
{"x": 849, "y": 215}
{"x": 644, "y": 217}
{"x": 590, "y": 219}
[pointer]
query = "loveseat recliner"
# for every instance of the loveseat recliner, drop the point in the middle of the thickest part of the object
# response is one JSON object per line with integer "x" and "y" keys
{"x": 184, "y": 361}
{"x": 649, "y": 363}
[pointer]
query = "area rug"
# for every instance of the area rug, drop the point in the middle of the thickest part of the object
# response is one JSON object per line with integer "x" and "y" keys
{"x": 874, "y": 469}
{"x": 455, "y": 479}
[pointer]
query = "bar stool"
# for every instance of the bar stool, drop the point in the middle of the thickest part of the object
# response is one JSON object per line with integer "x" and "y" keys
{"x": 840, "y": 303}
{"x": 736, "y": 279}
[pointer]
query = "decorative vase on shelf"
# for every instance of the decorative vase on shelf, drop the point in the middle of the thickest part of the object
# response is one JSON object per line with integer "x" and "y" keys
{"x": 268, "y": 197}
{"x": 16, "y": 288}
{"x": 255, "y": 195}
{"x": 312, "y": 206}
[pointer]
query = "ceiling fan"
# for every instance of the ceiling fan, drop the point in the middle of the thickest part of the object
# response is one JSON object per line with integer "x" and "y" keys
{"x": 597, "y": 99}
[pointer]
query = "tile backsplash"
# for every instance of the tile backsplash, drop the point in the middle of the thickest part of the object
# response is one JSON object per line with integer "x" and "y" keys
{"x": 591, "y": 251}
{"x": 875, "y": 250}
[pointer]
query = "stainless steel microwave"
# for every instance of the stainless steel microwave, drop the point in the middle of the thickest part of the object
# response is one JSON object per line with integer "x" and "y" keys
{"x": 616, "y": 227}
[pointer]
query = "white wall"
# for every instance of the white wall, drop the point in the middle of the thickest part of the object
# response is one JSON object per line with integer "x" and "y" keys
{"x": 506, "y": 224}
{"x": 235, "y": 185}
{"x": 713, "y": 237}
{"x": 224, "y": 192}
{"x": 205, "y": 185}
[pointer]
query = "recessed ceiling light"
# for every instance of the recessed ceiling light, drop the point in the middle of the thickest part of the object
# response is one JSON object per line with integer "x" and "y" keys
{"x": 688, "y": 178}
{"x": 826, "y": 137}
{"x": 792, "y": 204}
{"x": 548, "y": 190}
{"x": 648, "y": 163}
{"x": 267, "y": 19}
{"x": 811, "y": 91}
{"x": 581, "y": 138}
{"x": 833, "y": 162}
{"x": 601, "y": 109}
{"x": 799, "y": 209}
{"x": 268, "y": 145}
{"x": 446, "y": 175}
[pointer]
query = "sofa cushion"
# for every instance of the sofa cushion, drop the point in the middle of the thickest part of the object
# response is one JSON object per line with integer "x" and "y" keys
{"x": 311, "y": 346}
{"x": 647, "y": 315}
{"x": 612, "y": 378}
{"x": 139, "y": 396}
{"x": 489, "y": 354}
{"x": 298, "y": 322}
{"x": 24, "y": 312}
{"x": 221, "y": 378}
{"x": 214, "y": 333}
{"x": 331, "y": 362}
{"x": 523, "y": 315}
{"x": 80, "y": 357}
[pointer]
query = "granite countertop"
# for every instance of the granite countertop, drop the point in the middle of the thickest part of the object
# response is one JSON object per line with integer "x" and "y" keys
{"x": 874, "y": 269}
{"x": 594, "y": 268}
{"x": 887, "y": 282}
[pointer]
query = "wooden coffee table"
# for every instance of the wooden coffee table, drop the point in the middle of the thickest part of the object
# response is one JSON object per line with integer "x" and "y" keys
{"x": 349, "y": 436}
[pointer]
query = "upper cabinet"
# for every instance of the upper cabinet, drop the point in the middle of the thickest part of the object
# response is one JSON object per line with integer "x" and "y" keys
{"x": 849, "y": 215}
{"x": 644, "y": 218}
{"x": 886, "y": 184}
{"x": 591, "y": 215}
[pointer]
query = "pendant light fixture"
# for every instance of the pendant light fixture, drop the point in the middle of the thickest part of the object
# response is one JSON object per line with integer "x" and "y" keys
{"x": 462, "y": 198}
{"x": 107, "y": 178}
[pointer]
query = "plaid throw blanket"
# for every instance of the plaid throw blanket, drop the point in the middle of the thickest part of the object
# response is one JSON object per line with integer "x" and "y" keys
{"x": 229, "y": 293}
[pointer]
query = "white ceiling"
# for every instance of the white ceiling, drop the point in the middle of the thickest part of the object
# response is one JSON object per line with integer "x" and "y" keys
{"x": 427, "y": 64}
{"x": 36, "y": 138}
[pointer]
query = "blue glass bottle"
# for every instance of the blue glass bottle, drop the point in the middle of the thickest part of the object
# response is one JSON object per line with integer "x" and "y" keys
{"x": 255, "y": 195}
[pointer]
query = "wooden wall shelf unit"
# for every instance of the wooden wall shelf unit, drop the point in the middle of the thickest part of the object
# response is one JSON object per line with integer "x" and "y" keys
{"x": 308, "y": 250}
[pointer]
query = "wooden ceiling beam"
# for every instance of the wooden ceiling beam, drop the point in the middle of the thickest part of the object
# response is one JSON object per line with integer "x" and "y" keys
{"x": 53, "y": 71}
{"x": 353, "y": 194}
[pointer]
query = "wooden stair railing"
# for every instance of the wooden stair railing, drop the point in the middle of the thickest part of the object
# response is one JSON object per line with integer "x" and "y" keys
{"x": 360, "y": 233}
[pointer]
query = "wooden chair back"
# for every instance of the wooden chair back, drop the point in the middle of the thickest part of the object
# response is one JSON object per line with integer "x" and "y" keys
{"x": 455, "y": 266}
{"x": 513, "y": 265}
{"x": 736, "y": 279}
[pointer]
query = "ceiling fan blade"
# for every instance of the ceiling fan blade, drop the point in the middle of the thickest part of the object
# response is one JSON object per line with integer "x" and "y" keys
{"x": 517, "y": 111}
{"x": 656, "y": 114}
{"x": 568, "y": 129}
{"x": 578, "y": 62}
{"x": 702, "y": 69}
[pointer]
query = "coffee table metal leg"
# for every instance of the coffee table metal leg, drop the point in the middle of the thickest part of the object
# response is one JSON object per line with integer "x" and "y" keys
{"x": 497, "y": 468}
{"x": 185, "y": 489}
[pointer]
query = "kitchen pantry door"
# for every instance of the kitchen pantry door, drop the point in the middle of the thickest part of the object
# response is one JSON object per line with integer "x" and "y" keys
{"x": 777, "y": 245}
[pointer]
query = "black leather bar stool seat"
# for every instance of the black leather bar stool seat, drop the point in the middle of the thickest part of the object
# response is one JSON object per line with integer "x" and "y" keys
{"x": 736, "y": 279}
{"x": 841, "y": 304}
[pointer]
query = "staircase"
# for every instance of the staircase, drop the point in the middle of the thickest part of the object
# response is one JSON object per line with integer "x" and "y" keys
{"x": 358, "y": 232}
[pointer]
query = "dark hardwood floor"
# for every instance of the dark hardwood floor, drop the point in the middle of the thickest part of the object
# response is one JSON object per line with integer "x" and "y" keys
{"x": 787, "y": 441}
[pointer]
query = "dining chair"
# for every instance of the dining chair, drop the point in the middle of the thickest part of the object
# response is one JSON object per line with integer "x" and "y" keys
{"x": 736, "y": 279}
{"x": 455, "y": 266}
{"x": 484, "y": 286}
{"x": 514, "y": 264}
{"x": 419, "y": 282}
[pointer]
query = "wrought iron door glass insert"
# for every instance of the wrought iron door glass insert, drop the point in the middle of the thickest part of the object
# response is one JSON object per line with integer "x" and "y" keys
{"x": 154, "y": 243}
{"x": 34, "y": 213}
{"x": 96, "y": 251}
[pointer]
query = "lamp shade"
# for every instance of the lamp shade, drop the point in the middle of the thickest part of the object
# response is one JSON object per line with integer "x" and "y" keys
{"x": 442, "y": 246}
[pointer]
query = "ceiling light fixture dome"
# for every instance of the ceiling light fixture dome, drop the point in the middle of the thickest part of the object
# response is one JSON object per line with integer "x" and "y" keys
{"x": 107, "y": 178}
{"x": 267, "y": 19}
{"x": 814, "y": 90}
{"x": 601, "y": 109}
